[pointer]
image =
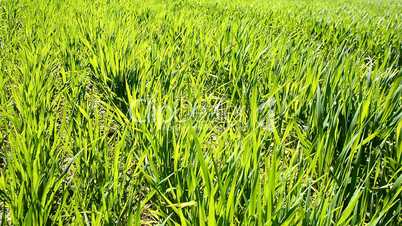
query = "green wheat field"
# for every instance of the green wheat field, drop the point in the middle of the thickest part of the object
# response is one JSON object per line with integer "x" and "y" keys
{"x": 200, "y": 112}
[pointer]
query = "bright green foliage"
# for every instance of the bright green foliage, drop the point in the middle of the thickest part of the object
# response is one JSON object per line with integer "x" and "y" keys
{"x": 191, "y": 112}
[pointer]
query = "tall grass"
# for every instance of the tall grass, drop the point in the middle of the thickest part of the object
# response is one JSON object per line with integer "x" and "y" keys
{"x": 200, "y": 112}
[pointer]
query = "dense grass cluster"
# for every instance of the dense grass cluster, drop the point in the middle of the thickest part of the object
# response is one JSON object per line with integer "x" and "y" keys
{"x": 201, "y": 112}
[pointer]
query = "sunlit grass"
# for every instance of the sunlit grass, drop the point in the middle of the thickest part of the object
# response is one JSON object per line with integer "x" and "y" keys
{"x": 200, "y": 112}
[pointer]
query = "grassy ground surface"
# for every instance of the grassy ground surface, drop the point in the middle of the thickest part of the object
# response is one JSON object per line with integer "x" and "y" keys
{"x": 200, "y": 112}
